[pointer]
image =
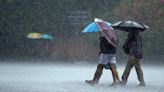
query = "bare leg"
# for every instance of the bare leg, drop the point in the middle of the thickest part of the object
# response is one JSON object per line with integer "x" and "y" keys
{"x": 97, "y": 75}
{"x": 114, "y": 73}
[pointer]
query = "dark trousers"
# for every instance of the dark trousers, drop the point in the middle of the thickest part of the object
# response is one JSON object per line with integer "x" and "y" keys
{"x": 133, "y": 62}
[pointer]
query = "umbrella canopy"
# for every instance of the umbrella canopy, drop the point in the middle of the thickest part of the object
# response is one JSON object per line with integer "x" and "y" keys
{"x": 92, "y": 27}
{"x": 104, "y": 28}
{"x": 108, "y": 32}
{"x": 34, "y": 35}
{"x": 46, "y": 36}
{"x": 129, "y": 26}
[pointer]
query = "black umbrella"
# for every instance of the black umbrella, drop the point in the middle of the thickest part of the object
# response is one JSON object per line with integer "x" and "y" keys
{"x": 129, "y": 26}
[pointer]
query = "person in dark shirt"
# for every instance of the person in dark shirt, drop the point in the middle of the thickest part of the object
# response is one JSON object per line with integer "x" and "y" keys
{"x": 134, "y": 50}
{"x": 107, "y": 61}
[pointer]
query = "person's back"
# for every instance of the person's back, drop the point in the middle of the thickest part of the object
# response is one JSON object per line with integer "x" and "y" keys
{"x": 135, "y": 55}
{"x": 136, "y": 45}
{"x": 106, "y": 47}
{"x": 107, "y": 60}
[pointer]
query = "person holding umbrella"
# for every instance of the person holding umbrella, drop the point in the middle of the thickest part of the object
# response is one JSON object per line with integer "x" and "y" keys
{"x": 107, "y": 60}
{"x": 108, "y": 44}
{"x": 132, "y": 47}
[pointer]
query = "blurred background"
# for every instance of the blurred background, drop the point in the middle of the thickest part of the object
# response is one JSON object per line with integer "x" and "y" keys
{"x": 65, "y": 19}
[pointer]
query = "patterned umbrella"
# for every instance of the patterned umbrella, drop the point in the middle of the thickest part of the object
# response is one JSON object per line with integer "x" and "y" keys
{"x": 107, "y": 31}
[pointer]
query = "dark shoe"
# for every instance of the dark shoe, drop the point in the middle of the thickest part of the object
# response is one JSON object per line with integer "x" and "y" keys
{"x": 91, "y": 82}
{"x": 142, "y": 84}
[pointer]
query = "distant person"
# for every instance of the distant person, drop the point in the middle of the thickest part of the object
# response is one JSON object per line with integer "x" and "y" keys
{"x": 133, "y": 47}
{"x": 107, "y": 60}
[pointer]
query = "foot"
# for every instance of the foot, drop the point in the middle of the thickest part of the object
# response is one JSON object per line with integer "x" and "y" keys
{"x": 123, "y": 83}
{"x": 142, "y": 84}
{"x": 115, "y": 84}
{"x": 91, "y": 82}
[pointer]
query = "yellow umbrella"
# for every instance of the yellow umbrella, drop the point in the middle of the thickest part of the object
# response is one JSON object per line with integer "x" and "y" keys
{"x": 34, "y": 35}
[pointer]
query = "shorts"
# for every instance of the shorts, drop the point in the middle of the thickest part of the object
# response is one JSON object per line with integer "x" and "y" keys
{"x": 106, "y": 59}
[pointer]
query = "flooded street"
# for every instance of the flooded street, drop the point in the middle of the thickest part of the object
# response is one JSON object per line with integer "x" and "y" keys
{"x": 41, "y": 77}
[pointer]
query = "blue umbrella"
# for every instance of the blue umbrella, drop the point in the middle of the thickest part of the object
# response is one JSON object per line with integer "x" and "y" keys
{"x": 46, "y": 36}
{"x": 92, "y": 27}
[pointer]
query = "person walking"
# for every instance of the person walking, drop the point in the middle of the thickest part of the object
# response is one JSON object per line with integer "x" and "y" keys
{"x": 133, "y": 47}
{"x": 107, "y": 60}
